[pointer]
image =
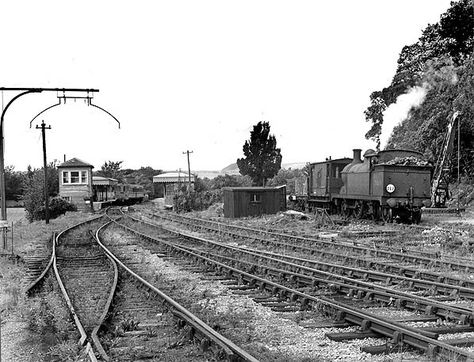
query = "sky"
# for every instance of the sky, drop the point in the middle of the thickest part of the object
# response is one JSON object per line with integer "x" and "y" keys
{"x": 197, "y": 75}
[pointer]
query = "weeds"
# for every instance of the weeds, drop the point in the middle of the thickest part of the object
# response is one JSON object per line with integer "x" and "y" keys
{"x": 49, "y": 313}
{"x": 129, "y": 325}
{"x": 66, "y": 351}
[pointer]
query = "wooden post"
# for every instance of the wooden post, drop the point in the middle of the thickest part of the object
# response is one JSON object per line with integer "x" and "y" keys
{"x": 189, "y": 170}
{"x": 43, "y": 128}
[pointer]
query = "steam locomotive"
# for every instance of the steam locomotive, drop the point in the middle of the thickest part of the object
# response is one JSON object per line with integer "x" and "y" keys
{"x": 388, "y": 185}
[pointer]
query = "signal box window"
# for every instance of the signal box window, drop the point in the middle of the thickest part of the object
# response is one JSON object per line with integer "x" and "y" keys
{"x": 256, "y": 198}
{"x": 74, "y": 177}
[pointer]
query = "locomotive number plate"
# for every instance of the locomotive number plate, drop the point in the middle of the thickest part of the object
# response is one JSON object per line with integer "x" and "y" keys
{"x": 390, "y": 188}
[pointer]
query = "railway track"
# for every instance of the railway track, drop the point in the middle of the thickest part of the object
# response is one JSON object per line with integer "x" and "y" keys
{"x": 107, "y": 299}
{"x": 197, "y": 328}
{"x": 430, "y": 307}
{"x": 397, "y": 263}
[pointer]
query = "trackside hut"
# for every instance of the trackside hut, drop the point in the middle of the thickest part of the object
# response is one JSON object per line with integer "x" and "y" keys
{"x": 253, "y": 201}
{"x": 75, "y": 182}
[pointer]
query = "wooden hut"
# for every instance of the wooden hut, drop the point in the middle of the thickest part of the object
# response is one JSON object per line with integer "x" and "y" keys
{"x": 253, "y": 201}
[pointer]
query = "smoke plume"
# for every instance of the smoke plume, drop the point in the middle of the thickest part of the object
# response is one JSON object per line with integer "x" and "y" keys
{"x": 398, "y": 111}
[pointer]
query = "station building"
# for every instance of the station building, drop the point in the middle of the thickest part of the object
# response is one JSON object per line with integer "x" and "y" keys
{"x": 166, "y": 185}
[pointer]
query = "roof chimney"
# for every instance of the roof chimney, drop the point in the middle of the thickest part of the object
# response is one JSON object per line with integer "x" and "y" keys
{"x": 356, "y": 158}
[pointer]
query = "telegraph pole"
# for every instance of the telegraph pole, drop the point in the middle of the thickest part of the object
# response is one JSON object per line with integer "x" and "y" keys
{"x": 189, "y": 170}
{"x": 43, "y": 129}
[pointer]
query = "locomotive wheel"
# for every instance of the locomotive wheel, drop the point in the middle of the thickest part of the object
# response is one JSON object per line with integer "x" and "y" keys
{"x": 416, "y": 216}
{"x": 387, "y": 214}
{"x": 346, "y": 211}
{"x": 374, "y": 210}
{"x": 359, "y": 210}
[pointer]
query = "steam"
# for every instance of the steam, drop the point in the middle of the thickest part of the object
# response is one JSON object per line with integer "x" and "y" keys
{"x": 398, "y": 111}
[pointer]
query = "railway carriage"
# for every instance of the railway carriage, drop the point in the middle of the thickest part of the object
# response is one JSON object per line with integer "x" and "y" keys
{"x": 129, "y": 193}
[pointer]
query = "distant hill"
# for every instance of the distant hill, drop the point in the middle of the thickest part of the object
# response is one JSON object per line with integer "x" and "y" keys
{"x": 208, "y": 174}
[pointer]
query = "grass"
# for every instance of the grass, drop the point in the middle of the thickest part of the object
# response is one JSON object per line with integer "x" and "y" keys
{"x": 47, "y": 317}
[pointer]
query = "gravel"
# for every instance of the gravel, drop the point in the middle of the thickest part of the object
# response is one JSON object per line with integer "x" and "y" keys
{"x": 264, "y": 330}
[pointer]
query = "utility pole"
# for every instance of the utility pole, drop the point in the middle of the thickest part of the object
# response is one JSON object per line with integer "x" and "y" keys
{"x": 43, "y": 129}
{"x": 189, "y": 170}
{"x": 459, "y": 161}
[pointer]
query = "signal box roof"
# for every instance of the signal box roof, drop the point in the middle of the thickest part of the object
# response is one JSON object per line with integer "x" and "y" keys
{"x": 75, "y": 162}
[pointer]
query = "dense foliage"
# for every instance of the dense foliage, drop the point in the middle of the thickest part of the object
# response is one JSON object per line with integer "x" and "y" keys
{"x": 143, "y": 176}
{"x": 111, "y": 169}
{"x": 14, "y": 183}
{"x": 33, "y": 196}
{"x": 208, "y": 192}
{"x": 426, "y": 126}
{"x": 262, "y": 158}
{"x": 442, "y": 63}
{"x": 287, "y": 177}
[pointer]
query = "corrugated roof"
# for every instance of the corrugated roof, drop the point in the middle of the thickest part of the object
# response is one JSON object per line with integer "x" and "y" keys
{"x": 75, "y": 162}
{"x": 172, "y": 177}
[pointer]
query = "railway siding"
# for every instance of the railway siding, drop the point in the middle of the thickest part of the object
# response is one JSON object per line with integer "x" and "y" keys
{"x": 376, "y": 324}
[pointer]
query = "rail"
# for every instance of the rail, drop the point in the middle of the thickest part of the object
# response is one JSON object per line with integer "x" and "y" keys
{"x": 232, "y": 350}
{"x": 399, "y": 333}
{"x": 106, "y": 309}
{"x": 37, "y": 281}
{"x": 77, "y": 322}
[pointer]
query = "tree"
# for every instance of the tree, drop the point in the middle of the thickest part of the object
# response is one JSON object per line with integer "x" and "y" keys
{"x": 451, "y": 38}
{"x": 288, "y": 178}
{"x": 226, "y": 180}
{"x": 14, "y": 183}
{"x": 143, "y": 176}
{"x": 262, "y": 158}
{"x": 111, "y": 169}
{"x": 33, "y": 196}
{"x": 451, "y": 89}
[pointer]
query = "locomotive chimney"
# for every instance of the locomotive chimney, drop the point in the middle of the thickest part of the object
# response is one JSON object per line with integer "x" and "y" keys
{"x": 356, "y": 159}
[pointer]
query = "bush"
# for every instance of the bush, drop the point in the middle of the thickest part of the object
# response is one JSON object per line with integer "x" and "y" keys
{"x": 196, "y": 200}
{"x": 37, "y": 210}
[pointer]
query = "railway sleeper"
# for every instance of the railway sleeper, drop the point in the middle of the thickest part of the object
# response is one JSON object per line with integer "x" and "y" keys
{"x": 385, "y": 348}
{"x": 348, "y": 336}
